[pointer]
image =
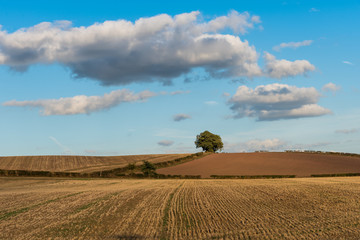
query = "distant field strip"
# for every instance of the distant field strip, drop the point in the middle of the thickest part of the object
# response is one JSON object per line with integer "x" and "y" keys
{"x": 243, "y": 165}
{"x": 297, "y": 208}
{"x": 82, "y": 164}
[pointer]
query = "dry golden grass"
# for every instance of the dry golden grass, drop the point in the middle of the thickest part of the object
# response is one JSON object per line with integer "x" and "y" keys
{"x": 81, "y": 164}
{"x": 303, "y": 208}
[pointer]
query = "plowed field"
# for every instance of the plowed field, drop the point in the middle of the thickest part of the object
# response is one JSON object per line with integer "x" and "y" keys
{"x": 299, "y": 164}
{"x": 300, "y": 208}
{"x": 81, "y": 164}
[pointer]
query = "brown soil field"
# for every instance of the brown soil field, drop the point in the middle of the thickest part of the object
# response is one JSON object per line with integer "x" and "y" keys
{"x": 268, "y": 163}
{"x": 81, "y": 164}
{"x": 300, "y": 208}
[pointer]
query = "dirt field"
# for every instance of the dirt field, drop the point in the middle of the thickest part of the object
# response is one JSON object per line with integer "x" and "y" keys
{"x": 302, "y": 208}
{"x": 299, "y": 164}
{"x": 79, "y": 163}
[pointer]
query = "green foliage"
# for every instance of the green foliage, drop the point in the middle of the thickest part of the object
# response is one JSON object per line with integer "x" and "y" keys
{"x": 336, "y": 175}
{"x": 209, "y": 142}
{"x": 148, "y": 168}
{"x": 131, "y": 166}
{"x": 250, "y": 176}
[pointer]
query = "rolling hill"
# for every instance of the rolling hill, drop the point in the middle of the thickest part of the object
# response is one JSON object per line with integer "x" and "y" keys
{"x": 80, "y": 164}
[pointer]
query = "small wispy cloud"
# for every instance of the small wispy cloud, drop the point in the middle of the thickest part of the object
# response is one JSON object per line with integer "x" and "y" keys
{"x": 347, "y": 131}
{"x": 274, "y": 144}
{"x": 293, "y": 45}
{"x": 181, "y": 117}
{"x": 90, "y": 151}
{"x": 179, "y": 92}
{"x": 256, "y": 145}
{"x": 64, "y": 148}
{"x": 93, "y": 152}
{"x": 330, "y": 87}
{"x": 314, "y": 10}
{"x": 348, "y": 63}
{"x": 166, "y": 143}
{"x": 82, "y": 104}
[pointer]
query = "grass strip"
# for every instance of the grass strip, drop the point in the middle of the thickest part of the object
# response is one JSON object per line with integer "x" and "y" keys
{"x": 166, "y": 214}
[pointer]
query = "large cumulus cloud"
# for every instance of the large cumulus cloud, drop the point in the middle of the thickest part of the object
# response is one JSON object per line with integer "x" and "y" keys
{"x": 276, "y": 101}
{"x": 156, "y": 48}
{"x": 150, "y": 49}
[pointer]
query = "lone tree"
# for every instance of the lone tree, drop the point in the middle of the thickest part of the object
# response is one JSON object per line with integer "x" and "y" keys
{"x": 209, "y": 142}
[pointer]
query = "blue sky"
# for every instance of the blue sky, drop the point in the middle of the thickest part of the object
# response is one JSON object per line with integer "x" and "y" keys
{"x": 142, "y": 77}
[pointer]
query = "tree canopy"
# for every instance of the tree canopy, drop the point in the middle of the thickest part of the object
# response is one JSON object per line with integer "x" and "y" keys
{"x": 148, "y": 168}
{"x": 209, "y": 142}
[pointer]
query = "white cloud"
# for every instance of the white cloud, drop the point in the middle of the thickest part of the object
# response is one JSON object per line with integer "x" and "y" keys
{"x": 179, "y": 92}
{"x": 238, "y": 23}
{"x": 64, "y": 148}
{"x": 276, "y": 101}
{"x": 82, "y": 104}
{"x": 309, "y": 146}
{"x": 181, "y": 117}
{"x": 255, "y": 19}
{"x": 157, "y": 48}
{"x": 256, "y": 145}
{"x": 331, "y": 87}
{"x": 293, "y": 45}
{"x": 274, "y": 144}
{"x": 348, "y": 63}
{"x": 314, "y": 10}
{"x": 166, "y": 143}
{"x": 283, "y": 68}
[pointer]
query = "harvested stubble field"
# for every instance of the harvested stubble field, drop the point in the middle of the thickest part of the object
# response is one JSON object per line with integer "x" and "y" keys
{"x": 300, "y": 208}
{"x": 81, "y": 164}
{"x": 267, "y": 163}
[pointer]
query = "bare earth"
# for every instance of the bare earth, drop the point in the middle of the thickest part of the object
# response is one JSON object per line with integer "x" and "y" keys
{"x": 300, "y": 208}
{"x": 299, "y": 164}
{"x": 82, "y": 164}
